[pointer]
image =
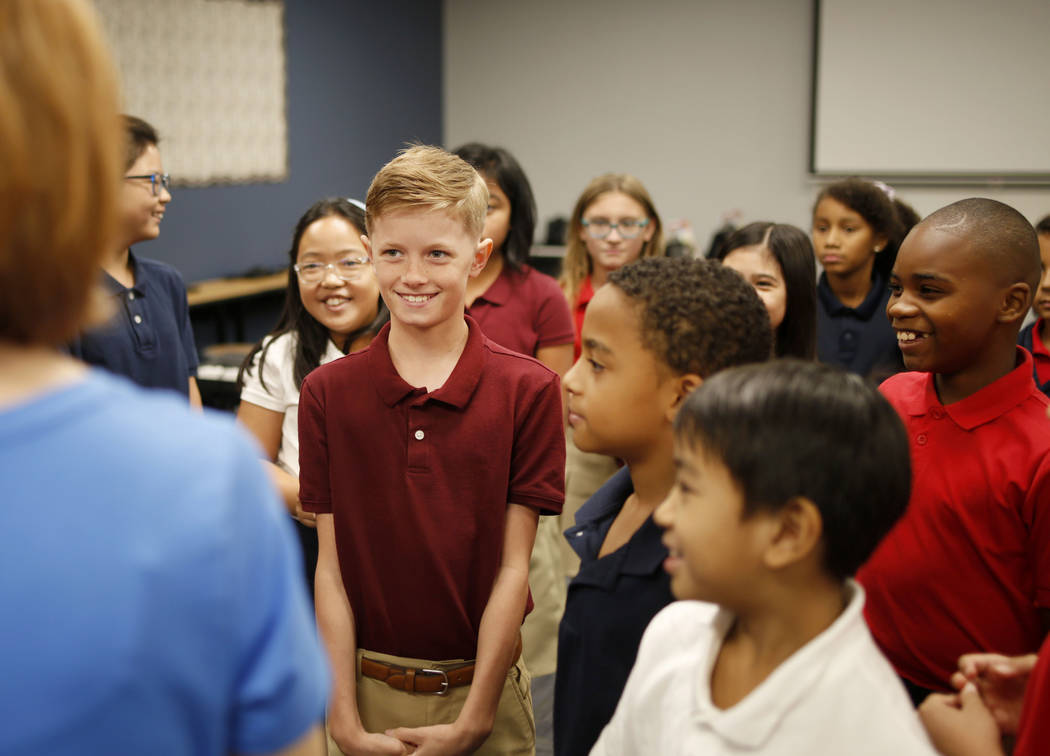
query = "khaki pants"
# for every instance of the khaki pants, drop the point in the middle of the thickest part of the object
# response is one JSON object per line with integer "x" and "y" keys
{"x": 539, "y": 633}
{"x": 382, "y": 707}
{"x": 585, "y": 473}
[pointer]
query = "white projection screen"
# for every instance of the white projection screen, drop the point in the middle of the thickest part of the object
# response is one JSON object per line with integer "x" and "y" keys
{"x": 932, "y": 89}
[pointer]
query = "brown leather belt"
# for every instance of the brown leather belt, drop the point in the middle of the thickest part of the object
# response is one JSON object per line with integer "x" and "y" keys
{"x": 413, "y": 680}
{"x": 423, "y": 680}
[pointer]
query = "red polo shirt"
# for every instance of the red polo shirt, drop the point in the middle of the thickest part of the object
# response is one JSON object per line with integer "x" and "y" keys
{"x": 968, "y": 564}
{"x": 1033, "y": 731}
{"x": 523, "y": 310}
{"x": 1040, "y": 353}
{"x": 583, "y": 298}
{"x": 418, "y": 484}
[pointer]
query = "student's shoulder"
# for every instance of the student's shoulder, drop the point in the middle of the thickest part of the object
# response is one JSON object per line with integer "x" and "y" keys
{"x": 865, "y": 698}
{"x": 352, "y": 367}
{"x": 678, "y": 625}
{"x": 159, "y": 271}
{"x": 514, "y": 365}
{"x": 907, "y": 389}
{"x": 154, "y": 422}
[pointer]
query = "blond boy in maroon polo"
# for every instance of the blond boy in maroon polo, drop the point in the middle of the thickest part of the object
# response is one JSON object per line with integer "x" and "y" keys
{"x": 428, "y": 457}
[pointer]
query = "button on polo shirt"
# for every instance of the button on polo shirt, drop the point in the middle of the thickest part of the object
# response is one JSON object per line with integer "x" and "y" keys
{"x": 418, "y": 483}
{"x": 149, "y": 338}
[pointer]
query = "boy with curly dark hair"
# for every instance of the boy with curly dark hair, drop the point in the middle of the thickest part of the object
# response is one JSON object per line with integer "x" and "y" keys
{"x": 651, "y": 335}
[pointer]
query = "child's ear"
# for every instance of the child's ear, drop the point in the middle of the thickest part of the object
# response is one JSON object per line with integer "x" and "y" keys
{"x": 481, "y": 257}
{"x": 368, "y": 246}
{"x": 1017, "y": 298}
{"x": 879, "y": 243}
{"x": 684, "y": 385}
{"x": 797, "y": 535}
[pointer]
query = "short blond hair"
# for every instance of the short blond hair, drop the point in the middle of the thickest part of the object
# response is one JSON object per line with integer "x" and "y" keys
{"x": 61, "y": 150}
{"x": 429, "y": 178}
{"x": 577, "y": 264}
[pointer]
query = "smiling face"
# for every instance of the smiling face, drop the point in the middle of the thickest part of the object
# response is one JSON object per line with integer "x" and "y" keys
{"x": 944, "y": 301}
{"x": 715, "y": 553}
{"x": 614, "y": 373}
{"x": 340, "y": 306}
{"x": 757, "y": 264}
{"x": 614, "y": 251}
{"x": 844, "y": 242}
{"x": 1042, "y": 296}
{"x": 422, "y": 259}
{"x": 140, "y": 211}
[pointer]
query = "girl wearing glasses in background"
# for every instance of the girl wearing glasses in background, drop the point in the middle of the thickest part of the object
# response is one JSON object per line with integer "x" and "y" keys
{"x": 614, "y": 223}
{"x": 149, "y": 338}
{"x": 331, "y": 308}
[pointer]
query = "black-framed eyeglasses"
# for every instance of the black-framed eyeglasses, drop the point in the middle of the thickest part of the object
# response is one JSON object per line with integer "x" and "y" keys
{"x": 629, "y": 228}
{"x": 348, "y": 269}
{"x": 156, "y": 180}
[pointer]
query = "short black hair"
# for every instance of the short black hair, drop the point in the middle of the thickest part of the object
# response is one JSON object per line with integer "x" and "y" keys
{"x": 997, "y": 232}
{"x": 1043, "y": 226}
{"x": 138, "y": 136}
{"x": 697, "y": 316}
{"x": 792, "y": 249}
{"x": 497, "y": 164}
{"x": 791, "y": 428}
{"x": 879, "y": 210}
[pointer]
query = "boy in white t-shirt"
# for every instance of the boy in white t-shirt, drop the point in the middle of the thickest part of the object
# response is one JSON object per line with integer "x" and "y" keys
{"x": 788, "y": 474}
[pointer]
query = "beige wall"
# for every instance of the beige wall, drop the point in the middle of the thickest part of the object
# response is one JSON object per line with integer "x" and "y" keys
{"x": 708, "y": 102}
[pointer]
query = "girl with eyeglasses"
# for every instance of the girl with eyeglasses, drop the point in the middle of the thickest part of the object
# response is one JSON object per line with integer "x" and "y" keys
{"x": 332, "y": 307}
{"x": 614, "y": 223}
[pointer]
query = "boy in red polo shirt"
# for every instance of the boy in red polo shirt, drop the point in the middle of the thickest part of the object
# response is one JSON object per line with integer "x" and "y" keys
{"x": 968, "y": 566}
{"x": 428, "y": 457}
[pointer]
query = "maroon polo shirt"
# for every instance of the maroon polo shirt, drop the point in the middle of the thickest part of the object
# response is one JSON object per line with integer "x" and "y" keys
{"x": 418, "y": 484}
{"x": 968, "y": 564}
{"x": 523, "y": 310}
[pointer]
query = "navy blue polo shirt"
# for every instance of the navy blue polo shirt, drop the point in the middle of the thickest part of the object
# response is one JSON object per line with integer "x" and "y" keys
{"x": 858, "y": 339}
{"x": 609, "y": 605}
{"x": 149, "y": 338}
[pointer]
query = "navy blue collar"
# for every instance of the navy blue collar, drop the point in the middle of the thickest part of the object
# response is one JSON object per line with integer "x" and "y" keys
{"x": 865, "y": 309}
{"x": 643, "y": 554}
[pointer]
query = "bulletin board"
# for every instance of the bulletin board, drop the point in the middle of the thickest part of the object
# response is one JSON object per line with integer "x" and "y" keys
{"x": 210, "y": 76}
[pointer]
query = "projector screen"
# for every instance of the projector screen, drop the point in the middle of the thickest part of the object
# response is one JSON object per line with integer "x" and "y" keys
{"x": 932, "y": 89}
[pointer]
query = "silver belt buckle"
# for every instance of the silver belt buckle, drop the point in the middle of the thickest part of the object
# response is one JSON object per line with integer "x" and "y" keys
{"x": 444, "y": 680}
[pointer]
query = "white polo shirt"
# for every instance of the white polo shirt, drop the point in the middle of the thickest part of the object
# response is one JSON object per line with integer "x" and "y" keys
{"x": 280, "y": 394}
{"x": 836, "y": 695}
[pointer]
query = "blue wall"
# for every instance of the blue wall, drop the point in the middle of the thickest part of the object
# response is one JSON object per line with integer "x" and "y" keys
{"x": 363, "y": 78}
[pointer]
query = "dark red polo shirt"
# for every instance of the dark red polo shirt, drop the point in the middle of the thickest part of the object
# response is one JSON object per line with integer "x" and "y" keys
{"x": 1040, "y": 353}
{"x": 968, "y": 564}
{"x": 418, "y": 484}
{"x": 583, "y": 298}
{"x": 1033, "y": 732}
{"x": 523, "y": 310}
